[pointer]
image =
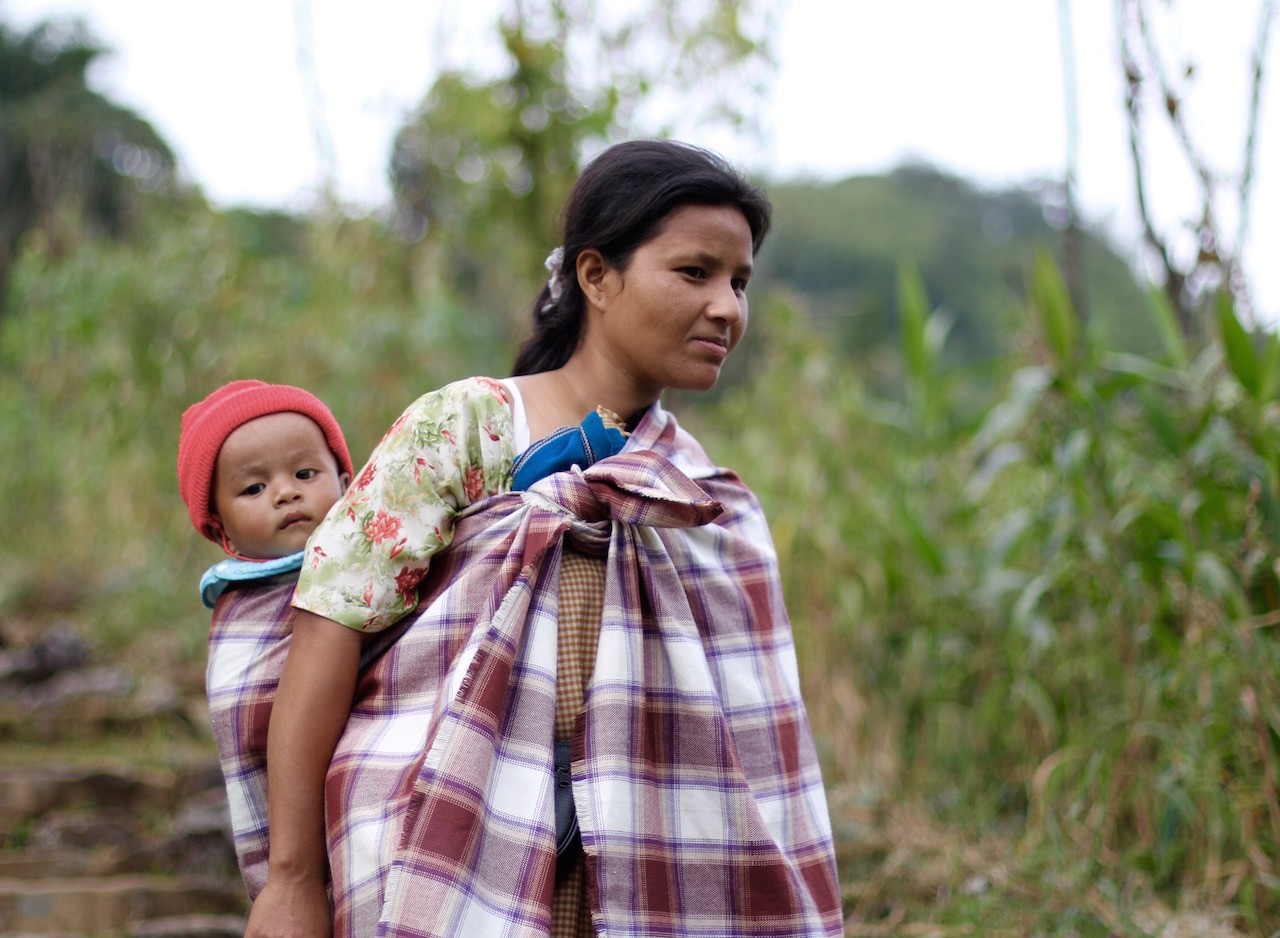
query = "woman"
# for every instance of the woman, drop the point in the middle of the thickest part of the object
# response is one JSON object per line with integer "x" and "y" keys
{"x": 630, "y": 608}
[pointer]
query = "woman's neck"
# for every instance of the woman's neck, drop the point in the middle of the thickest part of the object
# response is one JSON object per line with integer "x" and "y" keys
{"x": 561, "y": 398}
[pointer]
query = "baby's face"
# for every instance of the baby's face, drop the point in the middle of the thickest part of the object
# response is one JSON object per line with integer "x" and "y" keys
{"x": 274, "y": 481}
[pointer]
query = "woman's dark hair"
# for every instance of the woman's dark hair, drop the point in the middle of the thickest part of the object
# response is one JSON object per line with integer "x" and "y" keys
{"x": 620, "y": 201}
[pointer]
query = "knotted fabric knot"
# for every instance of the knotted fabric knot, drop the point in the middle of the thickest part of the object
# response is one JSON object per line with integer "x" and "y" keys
{"x": 637, "y": 487}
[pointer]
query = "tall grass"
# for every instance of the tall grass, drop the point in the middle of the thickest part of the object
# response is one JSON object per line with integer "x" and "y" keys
{"x": 1057, "y": 608}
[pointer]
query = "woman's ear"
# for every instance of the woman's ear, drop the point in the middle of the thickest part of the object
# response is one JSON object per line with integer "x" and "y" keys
{"x": 593, "y": 275}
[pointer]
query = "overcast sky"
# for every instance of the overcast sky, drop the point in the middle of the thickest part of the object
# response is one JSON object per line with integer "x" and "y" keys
{"x": 975, "y": 88}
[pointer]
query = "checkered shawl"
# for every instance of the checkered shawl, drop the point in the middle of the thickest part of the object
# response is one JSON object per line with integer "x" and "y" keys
{"x": 248, "y": 642}
{"x": 697, "y": 786}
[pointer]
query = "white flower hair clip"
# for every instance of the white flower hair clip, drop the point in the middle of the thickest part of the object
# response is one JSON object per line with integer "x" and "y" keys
{"x": 555, "y": 284}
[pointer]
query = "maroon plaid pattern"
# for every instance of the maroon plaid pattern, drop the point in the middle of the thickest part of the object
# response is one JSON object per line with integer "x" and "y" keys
{"x": 697, "y": 786}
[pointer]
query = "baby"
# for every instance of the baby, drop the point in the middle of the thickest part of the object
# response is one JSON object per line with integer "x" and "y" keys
{"x": 259, "y": 466}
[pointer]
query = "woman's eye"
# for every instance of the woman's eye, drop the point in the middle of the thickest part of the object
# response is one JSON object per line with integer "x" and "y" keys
{"x": 697, "y": 273}
{"x": 739, "y": 285}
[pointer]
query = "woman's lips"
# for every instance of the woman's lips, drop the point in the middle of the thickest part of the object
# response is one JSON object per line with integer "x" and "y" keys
{"x": 713, "y": 344}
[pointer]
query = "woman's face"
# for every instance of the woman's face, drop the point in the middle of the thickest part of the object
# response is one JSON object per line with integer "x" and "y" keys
{"x": 673, "y": 316}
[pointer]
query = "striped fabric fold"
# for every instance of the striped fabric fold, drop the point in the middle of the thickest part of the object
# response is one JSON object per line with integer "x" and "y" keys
{"x": 697, "y": 785}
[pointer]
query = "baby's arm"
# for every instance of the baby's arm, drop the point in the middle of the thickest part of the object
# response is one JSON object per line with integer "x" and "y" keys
{"x": 308, "y": 717}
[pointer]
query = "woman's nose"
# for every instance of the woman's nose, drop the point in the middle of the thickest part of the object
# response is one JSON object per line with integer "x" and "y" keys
{"x": 727, "y": 304}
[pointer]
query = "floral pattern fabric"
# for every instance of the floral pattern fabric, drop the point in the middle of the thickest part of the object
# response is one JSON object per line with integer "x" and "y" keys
{"x": 449, "y": 449}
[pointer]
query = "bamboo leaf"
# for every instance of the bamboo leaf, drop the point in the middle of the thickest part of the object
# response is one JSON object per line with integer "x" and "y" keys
{"x": 1000, "y": 457}
{"x": 1010, "y": 415}
{"x": 1137, "y": 366}
{"x": 1219, "y": 583}
{"x": 1269, "y": 379}
{"x": 937, "y": 328}
{"x": 1166, "y": 323}
{"x": 1057, "y": 316}
{"x": 1242, "y": 357}
{"x": 927, "y": 549}
{"x": 1032, "y": 693}
{"x": 913, "y": 311}
{"x": 1162, "y": 422}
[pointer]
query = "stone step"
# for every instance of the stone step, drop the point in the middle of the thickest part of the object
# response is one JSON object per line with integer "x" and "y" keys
{"x": 192, "y": 926}
{"x": 181, "y": 926}
{"x": 87, "y": 702}
{"x": 85, "y": 841}
{"x": 28, "y": 792}
{"x": 116, "y": 905}
{"x": 210, "y": 853}
{"x": 56, "y": 863}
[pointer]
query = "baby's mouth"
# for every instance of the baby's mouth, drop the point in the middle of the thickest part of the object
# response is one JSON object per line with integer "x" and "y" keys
{"x": 294, "y": 518}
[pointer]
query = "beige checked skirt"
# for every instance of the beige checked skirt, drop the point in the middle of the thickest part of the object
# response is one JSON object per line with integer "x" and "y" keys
{"x": 581, "y": 605}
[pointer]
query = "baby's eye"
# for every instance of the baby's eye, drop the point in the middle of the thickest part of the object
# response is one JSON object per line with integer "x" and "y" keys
{"x": 305, "y": 474}
{"x": 255, "y": 489}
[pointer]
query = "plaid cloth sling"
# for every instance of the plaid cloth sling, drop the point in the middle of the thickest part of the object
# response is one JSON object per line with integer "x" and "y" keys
{"x": 695, "y": 777}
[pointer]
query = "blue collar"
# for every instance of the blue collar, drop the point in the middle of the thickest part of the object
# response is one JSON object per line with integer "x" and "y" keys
{"x": 232, "y": 570}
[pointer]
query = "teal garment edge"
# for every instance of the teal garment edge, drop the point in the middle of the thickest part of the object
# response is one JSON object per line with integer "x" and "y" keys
{"x": 234, "y": 570}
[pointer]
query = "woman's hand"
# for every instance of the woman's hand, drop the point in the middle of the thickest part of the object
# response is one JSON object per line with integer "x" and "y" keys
{"x": 293, "y": 910}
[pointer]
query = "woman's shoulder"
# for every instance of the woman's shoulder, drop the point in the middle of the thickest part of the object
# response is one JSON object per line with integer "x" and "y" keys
{"x": 476, "y": 389}
{"x": 461, "y": 399}
{"x": 458, "y": 410}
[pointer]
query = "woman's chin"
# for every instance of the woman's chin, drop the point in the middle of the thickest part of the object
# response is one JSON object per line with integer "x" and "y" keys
{"x": 704, "y": 379}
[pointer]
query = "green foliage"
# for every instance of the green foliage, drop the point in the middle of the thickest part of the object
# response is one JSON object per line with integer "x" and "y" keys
{"x": 106, "y": 346}
{"x": 1057, "y": 319}
{"x": 65, "y": 149}
{"x": 482, "y": 168}
{"x": 1058, "y": 608}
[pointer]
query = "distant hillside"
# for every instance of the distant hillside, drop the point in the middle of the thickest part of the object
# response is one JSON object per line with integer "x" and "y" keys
{"x": 837, "y": 248}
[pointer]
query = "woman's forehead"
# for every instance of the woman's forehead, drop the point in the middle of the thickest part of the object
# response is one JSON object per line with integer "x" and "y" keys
{"x": 716, "y": 229}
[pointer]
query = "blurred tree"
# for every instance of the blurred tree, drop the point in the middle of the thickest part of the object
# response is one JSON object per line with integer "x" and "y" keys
{"x": 1198, "y": 256}
{"x": 480, "y": 170}
{"x": 63, "y": 147}
{"x": 838, "y": 249}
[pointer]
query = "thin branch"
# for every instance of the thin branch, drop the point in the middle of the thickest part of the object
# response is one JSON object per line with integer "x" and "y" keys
{"x": 1071, "y": 260}
{"x": 1173, "y": 106}
{"x": 1266, "y": 15}
{"x": 1175, "y": 280}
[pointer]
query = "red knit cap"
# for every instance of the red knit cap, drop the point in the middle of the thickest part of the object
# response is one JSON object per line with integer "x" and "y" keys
{"x": 207, "y": 424}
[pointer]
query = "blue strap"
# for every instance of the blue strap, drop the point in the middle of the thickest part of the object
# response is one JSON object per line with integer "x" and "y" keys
{"x": 232, "y": 570}
{"x": 580, "y": 446}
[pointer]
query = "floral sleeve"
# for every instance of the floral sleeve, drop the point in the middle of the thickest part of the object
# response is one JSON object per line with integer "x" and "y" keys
{"x": 451, "y": 447}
